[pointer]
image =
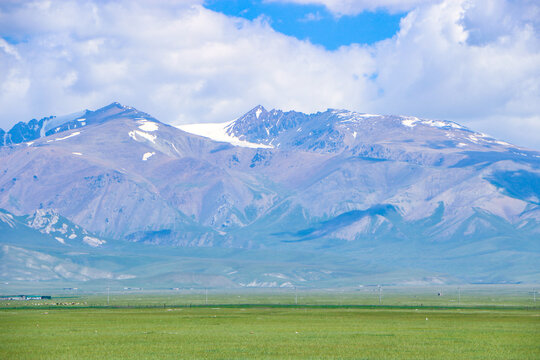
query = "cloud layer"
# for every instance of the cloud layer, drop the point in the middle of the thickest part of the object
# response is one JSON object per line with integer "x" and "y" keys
{"x": 353, "y": 7}
{"x": 466, "y": 61}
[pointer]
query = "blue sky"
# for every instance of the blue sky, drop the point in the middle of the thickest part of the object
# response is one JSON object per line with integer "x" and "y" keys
{"x": 314, "y": 22}
{"x": 186, "y": 61}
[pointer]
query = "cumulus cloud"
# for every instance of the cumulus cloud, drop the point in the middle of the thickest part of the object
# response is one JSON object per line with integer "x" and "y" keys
{"x": 354, "y": 7}
{"x": 181, "y": 63}
{"x": 184, "y": 63}
{"x": 434, "y": 67}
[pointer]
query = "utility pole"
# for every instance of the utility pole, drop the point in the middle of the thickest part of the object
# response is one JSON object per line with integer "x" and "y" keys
{"x": 206, "y": 297}
{"x": 107, "y": 296}
{"x": 380, "y": 294}
{"x": 459, "y": 296}
{"x": 534, "y": 296}
{"x": 295, "y": 296}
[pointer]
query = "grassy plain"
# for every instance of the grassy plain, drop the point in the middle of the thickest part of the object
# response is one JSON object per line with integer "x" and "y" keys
{"x": 264, "y": 331}
{"x": 451, "y": 296}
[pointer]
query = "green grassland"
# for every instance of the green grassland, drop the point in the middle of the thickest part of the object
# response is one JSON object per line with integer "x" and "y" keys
{"x": 488, "y": 323}
{"x": 244, "y": 332}
{"x": 441, "y": 296}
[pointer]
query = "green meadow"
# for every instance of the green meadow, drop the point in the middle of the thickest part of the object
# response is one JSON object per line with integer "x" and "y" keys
{"x": 155, "y": 327}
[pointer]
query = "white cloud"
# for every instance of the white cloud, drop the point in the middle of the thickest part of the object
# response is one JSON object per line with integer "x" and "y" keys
{"x": 316, "y": 16}
{"x": 433, "y": 68}
{"x": 8, "y": 49}
{"x": 353, "y": 7}
{"x": 183, "y": 63}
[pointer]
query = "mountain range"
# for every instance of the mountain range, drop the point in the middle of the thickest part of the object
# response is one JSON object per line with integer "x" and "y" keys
{"x": 272, "y": 198}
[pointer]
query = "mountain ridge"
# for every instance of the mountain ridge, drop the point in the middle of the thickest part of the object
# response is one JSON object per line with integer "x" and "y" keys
{"x": 35, "y": 129}
{"x": 337, "y": 182}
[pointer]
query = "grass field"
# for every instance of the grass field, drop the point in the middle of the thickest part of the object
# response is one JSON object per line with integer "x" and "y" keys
{"x": 245, "y": 332}
{"x": 451, "y": 296}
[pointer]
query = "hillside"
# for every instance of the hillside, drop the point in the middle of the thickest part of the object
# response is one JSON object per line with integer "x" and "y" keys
{"x": 349, "y": 194}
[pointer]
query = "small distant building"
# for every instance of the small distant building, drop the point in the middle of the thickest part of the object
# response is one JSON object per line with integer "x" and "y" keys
{"x": 25, "y": 297}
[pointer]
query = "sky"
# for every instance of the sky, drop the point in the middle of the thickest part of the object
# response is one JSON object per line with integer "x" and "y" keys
{"x": 476, "y": 62}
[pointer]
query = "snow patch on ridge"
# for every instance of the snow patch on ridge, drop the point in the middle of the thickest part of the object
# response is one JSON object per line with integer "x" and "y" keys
{"x": 8, "y": 219}
{"x": 58, "y": 121}
{"x": 133, "y": 134}
{"x": 412, "y": 121}
{"x": 146, "y": 125}
{"x": 409, "y": 121}
{"x": 147, "y": 155}
{"x": 218, "y": 132}
{"x": 66, "y": 137}
{"x": 351, "y": 116}
{"x": 92, "y": 241}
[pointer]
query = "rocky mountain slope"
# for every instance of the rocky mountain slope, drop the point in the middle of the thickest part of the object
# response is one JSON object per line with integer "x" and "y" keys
{"x": 410, "y": 195}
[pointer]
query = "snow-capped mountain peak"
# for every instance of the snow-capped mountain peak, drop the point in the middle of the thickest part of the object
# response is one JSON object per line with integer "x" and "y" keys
{"x": 220, "y": 132}
{"x": 35, "y": 129}
{"x": 336, "y": 130}
{"x": 336, "y": 180}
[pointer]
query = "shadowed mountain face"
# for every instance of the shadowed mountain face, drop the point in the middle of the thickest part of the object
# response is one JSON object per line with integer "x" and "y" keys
{"x": 408, "y": 195}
